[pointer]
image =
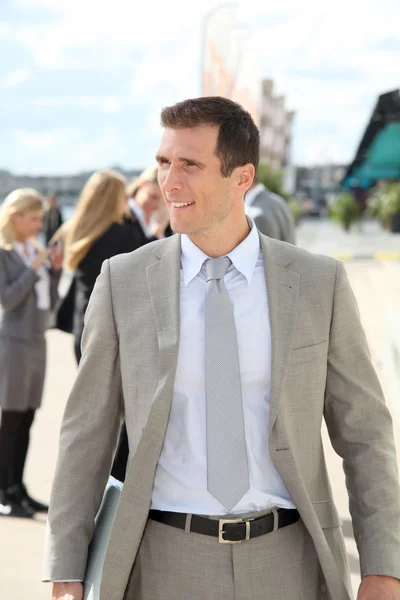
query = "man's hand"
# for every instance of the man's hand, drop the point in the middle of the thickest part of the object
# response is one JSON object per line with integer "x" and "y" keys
{"x": 379, "y": 587}
{"x": 67, "y": 591}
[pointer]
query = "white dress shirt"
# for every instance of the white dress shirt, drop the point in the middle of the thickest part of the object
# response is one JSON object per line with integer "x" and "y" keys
{"x": 181, "y": 477}
{"x": 27, "y": 252}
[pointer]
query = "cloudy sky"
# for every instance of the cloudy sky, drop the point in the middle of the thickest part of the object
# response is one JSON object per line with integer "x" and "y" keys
{"x": 82, "y": 81}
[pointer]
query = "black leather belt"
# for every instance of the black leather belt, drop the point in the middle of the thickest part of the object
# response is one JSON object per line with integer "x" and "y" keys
{"x": 229, "y": 531}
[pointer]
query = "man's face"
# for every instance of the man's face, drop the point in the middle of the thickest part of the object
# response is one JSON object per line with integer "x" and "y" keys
{"x": 198, "y": 197}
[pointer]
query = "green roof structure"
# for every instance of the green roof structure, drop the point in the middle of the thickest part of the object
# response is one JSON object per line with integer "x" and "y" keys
{"x": 378, "y": 155}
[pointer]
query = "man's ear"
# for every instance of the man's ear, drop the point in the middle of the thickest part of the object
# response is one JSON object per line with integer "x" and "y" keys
{"x": 246, "y": 176}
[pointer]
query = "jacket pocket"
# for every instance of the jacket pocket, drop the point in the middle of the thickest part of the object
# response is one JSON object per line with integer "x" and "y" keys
{"x": 308, "y": 353}
{"x": 327, "y": 514}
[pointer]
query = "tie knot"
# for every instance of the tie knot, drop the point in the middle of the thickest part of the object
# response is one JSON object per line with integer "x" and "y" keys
{"x": 217, "y": 267}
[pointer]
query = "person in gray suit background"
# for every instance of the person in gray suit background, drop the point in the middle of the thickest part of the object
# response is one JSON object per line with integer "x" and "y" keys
{"x": 26, "y": 282}
{"x": 270, "y": 213}
{"x": 224, "y": 350}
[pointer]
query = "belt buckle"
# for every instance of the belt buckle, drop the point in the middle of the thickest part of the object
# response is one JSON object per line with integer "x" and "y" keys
{"x": 221, "y": 523}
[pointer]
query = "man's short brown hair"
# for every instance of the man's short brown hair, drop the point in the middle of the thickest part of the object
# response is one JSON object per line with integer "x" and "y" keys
{"x": 238, "y": 139}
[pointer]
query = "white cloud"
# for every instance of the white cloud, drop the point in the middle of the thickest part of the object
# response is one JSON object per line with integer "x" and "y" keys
{"x": 112, "y": 32}
{"x": 106, "y": 104}
{"x": 15, "y": 78}
{"x": 169, "y": 78}
{"x": 327, "y": 59}
{"x": 65, "y": 150}
{"x": 33, "y": 141}
{"x": 5, "y": 30}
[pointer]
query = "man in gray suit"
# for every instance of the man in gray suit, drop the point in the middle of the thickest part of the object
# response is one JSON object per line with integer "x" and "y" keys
{"x": 270, "y": 213}
{"x": 224, "y": 350}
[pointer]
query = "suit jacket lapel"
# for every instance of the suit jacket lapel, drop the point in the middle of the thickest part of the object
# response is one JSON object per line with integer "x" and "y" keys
{"x": 163, "y": 279}
{"x": 283, "y": 298}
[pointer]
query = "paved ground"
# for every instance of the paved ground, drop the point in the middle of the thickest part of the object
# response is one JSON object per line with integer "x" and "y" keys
{"x": 377, "y": 287}
{"x": 366, "y": 239}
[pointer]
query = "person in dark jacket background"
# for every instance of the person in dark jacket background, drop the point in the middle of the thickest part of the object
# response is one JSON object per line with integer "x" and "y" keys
{"x": 95, "y": 233}
{"x": 52, "y": 218}
{"x": 270, "y": 213}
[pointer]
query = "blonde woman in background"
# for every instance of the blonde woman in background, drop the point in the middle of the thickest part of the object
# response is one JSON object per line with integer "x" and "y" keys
{"x": 26, "y": 274}
{"x": 95, "y": 233}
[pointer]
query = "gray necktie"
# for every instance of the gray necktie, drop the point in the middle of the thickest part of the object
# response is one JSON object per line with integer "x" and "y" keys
{"x": 227, "y": 469}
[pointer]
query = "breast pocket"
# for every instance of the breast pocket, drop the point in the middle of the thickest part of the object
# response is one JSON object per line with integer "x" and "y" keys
{"x": 327, "y": 514}
{"x": 306, "y": 379}
{"x": 309, "y": 353}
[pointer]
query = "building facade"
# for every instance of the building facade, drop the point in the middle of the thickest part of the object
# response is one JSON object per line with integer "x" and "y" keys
{"x": 320, "y": 183}
{"x": 275, "y": 128}
{"x": 231, "y": 68}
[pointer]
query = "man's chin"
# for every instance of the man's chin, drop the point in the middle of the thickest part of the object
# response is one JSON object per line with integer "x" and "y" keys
{"x": 179, "y": 227}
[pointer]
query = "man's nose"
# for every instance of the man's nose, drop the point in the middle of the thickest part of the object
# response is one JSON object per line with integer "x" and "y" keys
{"x": 173, "y": 181}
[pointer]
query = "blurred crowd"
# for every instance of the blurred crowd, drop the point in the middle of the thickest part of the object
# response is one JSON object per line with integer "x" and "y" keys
{"x": 112, "y": 216}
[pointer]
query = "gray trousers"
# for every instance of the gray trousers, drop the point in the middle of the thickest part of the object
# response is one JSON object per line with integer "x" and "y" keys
{"x": 176, "y": 565}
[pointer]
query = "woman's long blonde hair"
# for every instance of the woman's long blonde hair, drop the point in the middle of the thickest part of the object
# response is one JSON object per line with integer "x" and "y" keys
{"x": 22, "y": 200}
{"x": 98, "y": 207}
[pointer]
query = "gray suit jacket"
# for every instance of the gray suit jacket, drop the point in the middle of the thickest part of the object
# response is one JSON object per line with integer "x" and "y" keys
{"x": 18, "y": 302}
{"x": 272, "y": 216}
{"x": 321, "y": 369}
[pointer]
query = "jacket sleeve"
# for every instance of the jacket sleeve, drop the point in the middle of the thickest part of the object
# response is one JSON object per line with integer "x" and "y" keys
{"x": 361, "y": 432}
{"x": 13, "y": 293}
{"x": 88, "y": 439}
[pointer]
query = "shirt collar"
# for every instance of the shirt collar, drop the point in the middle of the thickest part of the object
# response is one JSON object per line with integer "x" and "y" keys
{"x": 18, "y": 247}
{"x": 251, "y": 194}
{"x": 24, "y": 249}
{"x": 244, "y": 257}
{"x": 192, "y": 259}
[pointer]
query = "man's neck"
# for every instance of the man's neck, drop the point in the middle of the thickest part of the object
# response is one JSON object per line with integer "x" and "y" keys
{"x": 216, "y": 243}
